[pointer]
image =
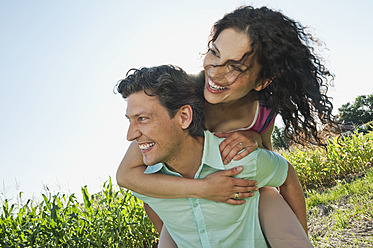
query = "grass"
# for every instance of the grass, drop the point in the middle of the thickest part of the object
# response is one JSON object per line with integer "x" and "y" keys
{"x": 111, "y": 218}
{"x": 343, "y": 214}
{"x": 114, "y": 218}
{"x": 338, "y": 183}
{"x": 344, "y": 156}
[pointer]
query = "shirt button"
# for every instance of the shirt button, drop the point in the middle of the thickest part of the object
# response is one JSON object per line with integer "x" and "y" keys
{"x": 195, "y": 205}
{"x": 202, "y": 231}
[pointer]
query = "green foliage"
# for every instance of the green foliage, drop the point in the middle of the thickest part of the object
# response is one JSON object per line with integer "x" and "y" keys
{"x": 360, "y": 111}
{"x": 342, "y": 188}
{"x": 111, "y": 218}
{"x": 115, "y": 218}
{"x": 344, "y": 155}
{"x": 279, "y": 140}
{"x": 349, "y": 213}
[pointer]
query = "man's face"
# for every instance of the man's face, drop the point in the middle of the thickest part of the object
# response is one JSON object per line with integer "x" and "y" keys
{"x": 157, "y": 135}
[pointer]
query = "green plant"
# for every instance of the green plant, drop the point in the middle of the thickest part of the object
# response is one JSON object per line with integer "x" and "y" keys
{"x": 111, "y": 218}
{"x": 344, "y": 156}
{"x": 115, "y": 218}
{"x": 279, "y": 140}
{"x": 349, "y": 213}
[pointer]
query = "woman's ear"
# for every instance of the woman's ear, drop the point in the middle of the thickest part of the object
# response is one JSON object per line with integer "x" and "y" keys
{"x": 263, "y": 84}
{"x": 185, "y": 115}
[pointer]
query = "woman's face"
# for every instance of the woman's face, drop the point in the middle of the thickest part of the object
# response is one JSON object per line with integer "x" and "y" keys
{"x": 232, "y": 81}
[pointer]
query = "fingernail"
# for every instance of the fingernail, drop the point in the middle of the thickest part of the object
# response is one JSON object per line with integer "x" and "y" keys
{"x": 240, "y": 168}
{"x": 225, "y": 161}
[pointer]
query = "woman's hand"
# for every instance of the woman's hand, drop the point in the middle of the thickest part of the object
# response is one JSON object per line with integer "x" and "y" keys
{"x": 222, "y": 187}
{"x": 235, "y": 142}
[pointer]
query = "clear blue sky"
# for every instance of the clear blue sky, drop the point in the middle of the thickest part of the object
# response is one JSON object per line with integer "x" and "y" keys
{"x": 62, "y": 125}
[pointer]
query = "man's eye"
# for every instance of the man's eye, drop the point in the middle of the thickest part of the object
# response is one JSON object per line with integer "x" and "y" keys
{"x": 142, "y": 118}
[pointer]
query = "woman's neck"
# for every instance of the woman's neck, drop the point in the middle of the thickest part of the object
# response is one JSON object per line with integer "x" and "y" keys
{"x": 224, "y": 117}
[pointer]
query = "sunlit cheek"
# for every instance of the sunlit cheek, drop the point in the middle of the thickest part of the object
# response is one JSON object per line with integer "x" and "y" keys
{"x": 232, "y": 77}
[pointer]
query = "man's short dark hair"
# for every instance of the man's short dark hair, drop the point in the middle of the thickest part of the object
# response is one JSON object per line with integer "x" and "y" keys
{"x": 174, "y": 89}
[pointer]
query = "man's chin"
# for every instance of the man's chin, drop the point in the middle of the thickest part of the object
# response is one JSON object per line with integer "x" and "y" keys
{"x": 148, "y": 162}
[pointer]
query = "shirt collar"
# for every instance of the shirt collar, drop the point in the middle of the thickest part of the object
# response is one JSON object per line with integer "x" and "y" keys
{"x": 153, "y": 168}
{"x": 211, "y": 155}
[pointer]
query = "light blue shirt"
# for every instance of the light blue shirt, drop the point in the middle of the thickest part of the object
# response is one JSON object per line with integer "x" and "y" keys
{"x": 195, "y": 222}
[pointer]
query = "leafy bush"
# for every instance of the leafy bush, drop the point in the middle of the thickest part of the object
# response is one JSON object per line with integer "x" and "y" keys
{"x": 343, "y": 156}
{"x": 115, "y": 218}
{"x": 279, "y": 140}
{"x": 111, "y": 218}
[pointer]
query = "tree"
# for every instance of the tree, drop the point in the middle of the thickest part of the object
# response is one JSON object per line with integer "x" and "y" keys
{"x": 358, "y": 112}
{"x": 279, "y": 140}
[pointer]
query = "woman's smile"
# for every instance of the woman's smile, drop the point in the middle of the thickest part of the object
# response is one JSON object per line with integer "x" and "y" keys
{"x": 213, "y": 87}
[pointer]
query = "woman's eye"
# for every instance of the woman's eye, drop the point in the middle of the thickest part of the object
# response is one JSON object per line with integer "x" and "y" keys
{"x": 236, "y": 68}
{"x": 213, "y": 52}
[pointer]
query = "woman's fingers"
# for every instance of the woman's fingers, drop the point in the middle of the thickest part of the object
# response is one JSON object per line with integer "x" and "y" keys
{"x": 229, "y": 153}
{"x": 235, "y": 146}
{"x": 235, "y": 202}
{"x": 222, "y": 135}
{"x": 239, "y": 198}
{"x": 232, "y": 172}
{"x": 223, "y": 187}
{"x": 229, "y": 148}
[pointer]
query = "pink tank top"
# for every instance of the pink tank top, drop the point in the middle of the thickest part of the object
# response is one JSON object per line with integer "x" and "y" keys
{"x": 263, "y": 119}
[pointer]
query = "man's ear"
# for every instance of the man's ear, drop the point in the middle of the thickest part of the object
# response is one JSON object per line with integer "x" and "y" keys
{"x": 185, "y": 114}
{"x": 263, "y": 84}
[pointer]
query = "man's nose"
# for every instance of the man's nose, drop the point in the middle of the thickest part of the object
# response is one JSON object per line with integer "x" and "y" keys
{"x": 133, "y": 132}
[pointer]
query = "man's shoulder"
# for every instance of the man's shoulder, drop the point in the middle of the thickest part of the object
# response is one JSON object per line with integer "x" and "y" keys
{"x": 267, "y": 155}
{"x": 259, "y": 158}
{"x": 262, "y": 154}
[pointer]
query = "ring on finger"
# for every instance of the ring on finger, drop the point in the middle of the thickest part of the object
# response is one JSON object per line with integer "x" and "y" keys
{"x": 236, "y": 195}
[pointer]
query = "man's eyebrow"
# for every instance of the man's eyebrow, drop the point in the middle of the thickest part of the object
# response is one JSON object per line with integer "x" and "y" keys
{"x": 137, "y": 115}
{"x": 131, "y": 116}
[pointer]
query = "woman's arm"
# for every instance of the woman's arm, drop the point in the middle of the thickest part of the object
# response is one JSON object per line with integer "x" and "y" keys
{"x": 220, "y": 186}
{"x": 267, "y": 138}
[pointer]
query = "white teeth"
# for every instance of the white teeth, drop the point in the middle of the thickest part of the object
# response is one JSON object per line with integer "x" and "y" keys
{"x": 215, "y": 86}
{"x": 146, "y": 146}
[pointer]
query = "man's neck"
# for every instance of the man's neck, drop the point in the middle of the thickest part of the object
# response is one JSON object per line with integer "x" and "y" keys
{"x": 189, "y": 158}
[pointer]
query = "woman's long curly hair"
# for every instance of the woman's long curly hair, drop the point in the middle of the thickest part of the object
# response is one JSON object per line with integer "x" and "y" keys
{"x": 299, "y": 79}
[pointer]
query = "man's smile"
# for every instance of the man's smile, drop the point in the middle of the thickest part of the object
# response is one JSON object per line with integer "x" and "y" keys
{"x": 146, "y": 146}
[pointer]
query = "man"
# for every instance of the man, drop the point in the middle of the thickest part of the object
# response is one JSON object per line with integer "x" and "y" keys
{"x": 165, "y": 108}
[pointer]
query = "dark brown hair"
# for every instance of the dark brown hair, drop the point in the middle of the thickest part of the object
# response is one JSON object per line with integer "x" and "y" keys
{"x": 174, "y": 89}
{"x": 299, "y": 79}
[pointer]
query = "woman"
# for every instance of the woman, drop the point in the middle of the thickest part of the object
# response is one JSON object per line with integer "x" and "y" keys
{"x": 258, "y": 62}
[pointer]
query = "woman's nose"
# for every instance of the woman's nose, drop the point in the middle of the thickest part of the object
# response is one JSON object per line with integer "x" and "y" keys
{"x": 218, "y": 72}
